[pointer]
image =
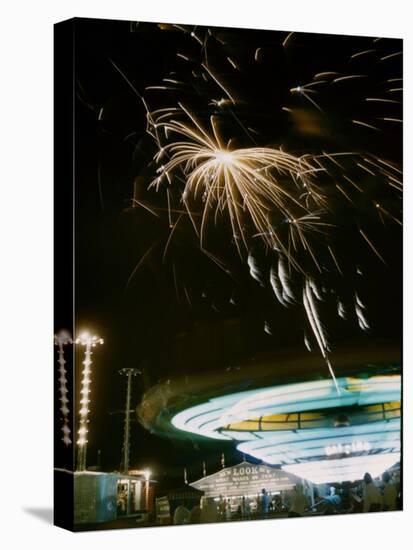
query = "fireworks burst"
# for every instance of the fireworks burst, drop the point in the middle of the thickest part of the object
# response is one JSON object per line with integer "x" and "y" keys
{"x": 257, "y": 185}
{"x": 217, "y": 165}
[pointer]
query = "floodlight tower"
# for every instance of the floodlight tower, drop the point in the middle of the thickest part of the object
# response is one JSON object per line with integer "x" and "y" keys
{"x": 89, "y": 341}
{"x": 129, "y": 372}
{"x": 62, "y": 339}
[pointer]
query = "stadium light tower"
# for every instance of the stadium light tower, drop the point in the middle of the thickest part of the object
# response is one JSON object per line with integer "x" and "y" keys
{"x": 89, "y": 341}
{"x": 62, "y": 339}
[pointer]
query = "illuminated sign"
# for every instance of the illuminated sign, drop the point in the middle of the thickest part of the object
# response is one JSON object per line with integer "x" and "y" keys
{"x": 353, "y": 447}
{"x": 162, "y": 508}
{"x": 291, "y": 446}
{"x": 343, "y": 469}
{"x": 245, "y": 479}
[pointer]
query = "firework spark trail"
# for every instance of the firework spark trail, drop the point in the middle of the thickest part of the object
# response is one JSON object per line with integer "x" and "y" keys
{"x": 382, "y": 210}
{"x": 341, "y": 310}
{"x": 315, "y": 324}
{"x": 365, "y": 124}
{"x": 315, "y": 289}
{"x": 371, "y": 245}
{"x": 298, "y": 227}
{"x": 307, "y": 342}
{"x": 361, "y": 317}
{"x": 140, "y": 263}
{"x": 354, "y": 184}
{"x": 215, "y": 260}
{"x": 146, "y": 207}
{"x": 364, "y": 52}
{"x": 335, "y": 259}
{"x": 359, "y": 302}
{"x": 287, "y": 38}
{"x": 277, "y": 287}
{"x": 315, "y": 315}
{"x": 288, "y": 294}
{"x": 349, "y": 77}
{"x": 173, "y": 229}
{"x": 254, "y": 269}
{"x": 220, "y": 84}
{"x": 267, "y": 328}
{"x": 304, "y": 91}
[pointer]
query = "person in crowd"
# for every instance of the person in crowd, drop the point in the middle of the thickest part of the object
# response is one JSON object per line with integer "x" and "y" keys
{"x": 247, "y": 508}
{"x": 255, "y": 506}
{"x": 347, "y": 505}
{"x": 195, "y": 514}
{"x": 209, "y": 513}
{"x": 372, "y": 499}
{"x": 121, "y": 502}
{"x": 222, "y": 509}
{"x": 228, "y": 511}
{"x": 242, "y": 507}
{"x": 356, "y": 498}
{"x": 264, "y": 503}
{"x": 298, "y": 502}
{"x": 331, "y": 503}
{"x": 277, "y": 504}
{"x": 181, "y": 515}
{"x": 389, "y": 493}
{"x": 259, "y": 505}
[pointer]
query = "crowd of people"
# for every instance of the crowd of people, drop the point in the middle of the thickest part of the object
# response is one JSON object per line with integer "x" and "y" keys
{"x": 368, "y": 496}
{"x": 376, "y": 500}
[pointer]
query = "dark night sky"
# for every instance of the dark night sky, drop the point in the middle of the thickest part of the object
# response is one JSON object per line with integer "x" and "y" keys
{"x": 144, "y": 324}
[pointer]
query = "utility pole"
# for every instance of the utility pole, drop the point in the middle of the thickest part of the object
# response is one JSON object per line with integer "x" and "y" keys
{"x": 126, "y": 442}
{"x": 129, "y": 372}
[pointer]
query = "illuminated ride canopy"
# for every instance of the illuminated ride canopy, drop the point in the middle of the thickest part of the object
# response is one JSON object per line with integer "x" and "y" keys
{"x": 308, "y": 428}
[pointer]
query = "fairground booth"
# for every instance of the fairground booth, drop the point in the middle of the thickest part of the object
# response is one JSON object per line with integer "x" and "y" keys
{"x": 244, "y": 483}
{"x": 103, "y": 497}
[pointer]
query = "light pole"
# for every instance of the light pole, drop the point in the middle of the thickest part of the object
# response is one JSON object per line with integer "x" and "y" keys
{"x": 88, "y": 341}
{"x": 147, "y": 474}
{"x": 126, "y": 441}
{"x": 62, "y": 339}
